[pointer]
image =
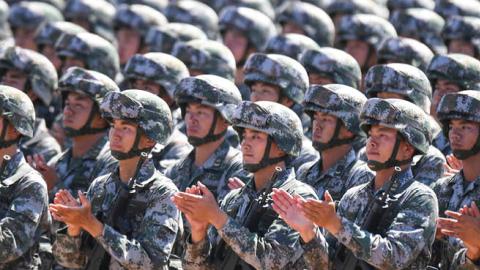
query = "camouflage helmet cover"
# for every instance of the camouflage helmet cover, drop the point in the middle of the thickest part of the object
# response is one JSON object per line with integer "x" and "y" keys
{"x": 460, "y": 69}
{"x": 463, "y": 28}
{"x": 405, "y": 50}
{"x": 461, "y": 105}
{"x": 350, "y": 7}
{"x": 447, "y": 8}
{"x": 163, "y": 38}
{"x": 32, "y": 14}
{"x": 138, "y": 17}
{"x": 18, "y": 109}
{"x": 52, "y": 31}
{"x": 291, "y": 45}
{"x": 404, "y": 4}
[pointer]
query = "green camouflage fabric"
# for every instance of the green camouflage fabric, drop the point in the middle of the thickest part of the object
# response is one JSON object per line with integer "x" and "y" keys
{"x": 404, "y": 50}
{"x": 291, "y": 45}
{"x": 159, "y": 5}
{"x": 279, "y": 70}
{"x": 5, "y": 31}
{"x": 18, "y": 109}
{"x": 448, "y": 8}
{"x": 332, "y": 63}
{"x": 338, "y": 100}
{"x": 41, "y": 73}
{"x": 461, "y": 105}
{"x": 160, "y": 68}
{"x": 314, "y": 22}
{"x": 256, "y": 26}
{"x": 207, "y": 57}
{"x": 276, "y": 120}
{"x": 195, "y": 13}
{"x": 147, "y": 110}
{"x": 210, "y": 90}
{"x": 274, "y": 246}
{"x": 173, "y": 151}
{"x": 402, "y": 79}
{"x": 405, "y": 237}
{"x": 138, "y": 17}
{"x": 407, "y": 118}
{"x": 460, "y": 69}
{"x": 23, "y": 214}
{"x": 96, "y": 52}
{"x": 265, "y": 7}
{"x": 369, "y": 28}
{"x": 404, "y": 4}
{"x": 163, "y": 38}
{"x": 51, "y": 32}
{"x": 350, "y": 7}
{"x": 32, "y": 15}
{"x": 463, "y": 28}
{"x": 153, "y": 218}
{"x": 99, "y": 14}
{"x": 408, "y": 22}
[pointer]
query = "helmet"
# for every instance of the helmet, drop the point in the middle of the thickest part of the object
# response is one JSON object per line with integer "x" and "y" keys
{"x": 138, "y": 17}
{"x": 207, "y": 56}
{"x": 163, "y": 38}
{"x": 163, "y": 69}
{"x": 404, "y": 50}
{"x": 350, "y": 7}
{"x": 460, "y": 69}
{"x": 463, "y": 28}
{"x": 5, "y": 31}
{"x": 17, "y": 108}
{"x": 291, "y": 45}
{"x": 52, "y": 31}
{"x": 402, "y": 79}
{"x": 41, "y": 73}
{"x": 336, "y": 64}
{"x": 32, "y": 15}
{"x": 447, "y": 8}
{"x": 263, "y": 6}
{"x": 315, "y": 23}
{"x": 159, "y": 5}
{"x": 286, "y": 73}
{"x": 404, "y": 4}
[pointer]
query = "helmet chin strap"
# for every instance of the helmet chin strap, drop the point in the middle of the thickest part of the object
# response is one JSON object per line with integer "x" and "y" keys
{"x": 391, "y": 162}
{"x": 87, "y": 128}
{"x": 334, "y": 140}
{"x": 266, "y": 160}
{"x": 134, "y": 151}
{"x": 3, "y": 142}
{"x": 464, "y": 154}
{"x": 210, "y": 137}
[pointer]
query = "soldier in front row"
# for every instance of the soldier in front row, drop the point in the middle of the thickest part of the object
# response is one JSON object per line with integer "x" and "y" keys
{"x": 127, "y": 219}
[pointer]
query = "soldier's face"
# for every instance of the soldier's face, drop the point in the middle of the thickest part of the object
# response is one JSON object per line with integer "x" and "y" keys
{"x": 254, "y": 144}
{"x": 122, "y": 135}
{"x": 24, "y": 38}
{"x": 360, "y": 51}
{"x": 461, "y": 46}
{"x": 237, "y": 42}
{"x": 260, "y": 91}
{"x": 198, "y": 119}
{"x": 442, "y": 87}
{"x": 386, "y": 95}
{"x": 463, "y": 134}
{"x": 129, "y": 41}
{"x": 153, "y": 88}
{"x": 291, "y": 27}
{"x": 315, "y": 78}
{"x": 380, "y": 143}
{"x": 51, "y": 54}
{"x": 15, "y": 78}
{"x": 323, "y": 127}
{"x": 76, "y": 110}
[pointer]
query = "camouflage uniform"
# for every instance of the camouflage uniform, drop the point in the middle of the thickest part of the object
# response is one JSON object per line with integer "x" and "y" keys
{"x": 344, "y": 103}
{"x": 404, "y": 50}
{"x": 449, "y": 8}
{"x": 350, "y": 7}
{"x": 163, "y": 38}
{"x": 23, "y": 192}
{"x": 274, "y": 245}
{"x": 404, "y": 238}
{"x": 153, "y": 220}
{"x": 332, "y": 63}
{"x": 42, "y": 80}
{"x": 463, "y": 28}
{"x": 291, "y": 45}
{"x": 32, "y": 15}
{"x": 460, "y": 261}
{"x": 455, "y": 191}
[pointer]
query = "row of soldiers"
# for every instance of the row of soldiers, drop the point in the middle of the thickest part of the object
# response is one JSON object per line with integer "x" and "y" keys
{"x": 133, "y": 143}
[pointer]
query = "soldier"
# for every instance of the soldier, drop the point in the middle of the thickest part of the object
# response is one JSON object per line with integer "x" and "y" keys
{"x": 26, "y": 17}
{"x": 126, "y": 220}
{"x": 447, "y": 74}
{"x": 88, "y": 51}
{"x": 131, "y": 23}
{"x": 404, "y": 50}
{"x": 206, "y": 102}
{"x": 462, "y": 35}
{"x": 291, "y": 45}
{"x": 159, "y": 74}
{"x": 163, "y": 38}
{"x": 459, "y": 114}
{"x": 271, "y": 134}
{"x": 335, "y": 111}
{"x": 406, "y": 82}
{"x": 32, "y": 73}
{"x": 404, "y": 233}
{"x": 23, "y": 207}
{"x": 89, "y": 155}
{"x": 281, "y": 79}
{"x": 329, "y": 65}
{"x": 307, "y": 19}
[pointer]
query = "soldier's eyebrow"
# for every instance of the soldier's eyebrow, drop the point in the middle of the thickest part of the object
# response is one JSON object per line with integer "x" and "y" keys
{"x": 128, "y": 123}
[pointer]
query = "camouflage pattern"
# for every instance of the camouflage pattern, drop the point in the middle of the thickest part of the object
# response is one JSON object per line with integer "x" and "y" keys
{"x": 404, "y": 50}
{"x": 461, "y": 261}
{"x": 314, "y": 22}
{"x": 291, "y": 45}
{"x": 138, "y": 17}
{"x": 97, "y": 53}
{"x": 5, "y": 31}
{"x": 274, "y": 246}
{"x": 160, "y": 68}
{"x": 463, "y": 28}
{"x": 461, "y": 105}
{"x": 99, "y": 14}
{"x": 23, "y": 214}
{"x": 173, "y": 151}
{"x": 163, "y": 38}
{"x": 256, "y": 26}
{"x": 364, "y": 27}
{"x": 448, "y": 8}
{"x": 407, "y": 118}
{"x": 265, "y": 7}
{"x": 405, "y": 80}
{"x": 147, "y": 110}
{"x": 403, "y": 244}
{"x": 18, "y": 109}
{"x": 40, "y": 72}
{"x": 460, "y": 69}
{"x": 286, "y": 73}
{"x": 32, "y": 15}
{"x": 274, "y": 119}
{"x": 41, "y": 142}
{"x": 195, "y": 13}
{"x": 404, "y": 4}
{"x": 332, "y": 63}
{"x": 210, "y": 90}
{"x": 51, "y": 32}
{"x": 408, "y": 22}
{"x": 206, "y": 57}
{"x": 153, "y": 218}
{"x": 159, "y": 5}
{"x": 350, "y": 7}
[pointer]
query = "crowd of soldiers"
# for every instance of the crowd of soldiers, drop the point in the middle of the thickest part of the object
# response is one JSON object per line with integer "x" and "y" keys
{"x": 239, "y": 134}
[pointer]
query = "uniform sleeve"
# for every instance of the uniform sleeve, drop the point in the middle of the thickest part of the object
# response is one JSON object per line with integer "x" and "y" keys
{"x": 462, "y": 262}
{"x": 315, "y": 252}
{"x": 412, "y": 229}
{"x": 23, "y": 217}
{"x": 196, "y": 255}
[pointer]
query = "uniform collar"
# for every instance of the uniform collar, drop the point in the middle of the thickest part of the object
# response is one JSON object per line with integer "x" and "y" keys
{"x": 216, "y": 161}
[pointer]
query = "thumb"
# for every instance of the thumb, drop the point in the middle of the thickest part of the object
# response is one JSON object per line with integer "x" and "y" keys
{"x": 328, "y": 198}
{"x": 205, "y": 191}
{"x": 83, "y": 199}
